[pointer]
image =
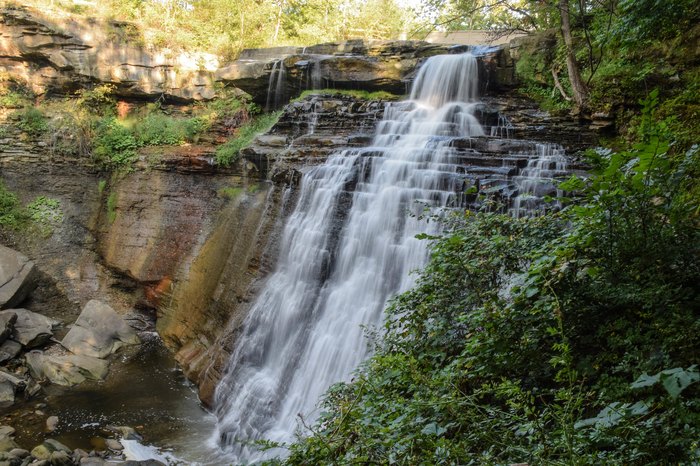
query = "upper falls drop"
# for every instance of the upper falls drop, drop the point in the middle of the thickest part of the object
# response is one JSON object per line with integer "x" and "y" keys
{"x": 345, "y": 251}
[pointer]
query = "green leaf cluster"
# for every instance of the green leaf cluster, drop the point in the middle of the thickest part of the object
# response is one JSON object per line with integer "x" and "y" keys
{"x": 229, "y": 152}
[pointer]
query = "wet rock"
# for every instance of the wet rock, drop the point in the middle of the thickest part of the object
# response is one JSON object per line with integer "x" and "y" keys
{"x": 53, "y": 451}
{"x": 99, "y": 331}
{"x": 17, "y": 277}
{"x": 92, "y": 461}
{"x": 126, "y": 432}
{"x": 51, "y": 423}
{"x": 7, "y": 394}
{"x": 7, "y": 325}
{"x": 114, "y": 444}
{"x": 30, "y": 329}
{"x": 61, "y": 458}
{"x": 143, "y": 463}
{"x": 7, "y": 442}
{"x": 19, "y": 453}
{"x": 66, "y": 370}
{"x": 9, "y": 386}
{"x": 9, "y": 350}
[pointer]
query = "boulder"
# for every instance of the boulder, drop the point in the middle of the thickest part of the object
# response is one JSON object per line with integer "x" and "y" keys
{"x": 9, "y": 385}
{"x": 51, "y": 449}
{"x": 7, "y": 325}
{"x": 51, "y": 423}
{"x": 17, "y": 277}
{"x": 65, "y": 370}
{"x": 7, "y": 394}
{"x": 98, "y": 332}
{"x": 8, "y": 350}
{"x": 30, "y": 329}
{"x": 7, "y": 442}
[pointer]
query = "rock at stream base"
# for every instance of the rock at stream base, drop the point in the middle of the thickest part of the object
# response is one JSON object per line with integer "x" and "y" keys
{"x": 30, "y": 329}
{"x": 65, "y": 370}
{"x": 7, "y": 442}
{"x": 8, "y": 350}
{"x": 17, "y": 277}
{"x": 53, "y": 449}
{"x": 99, "y": 331}
{"x": 9, "y": 385}
{"x": 7, "y": 325}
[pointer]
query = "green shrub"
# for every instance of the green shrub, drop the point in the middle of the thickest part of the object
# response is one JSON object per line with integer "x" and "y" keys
{"x": 114, "y": 144}
{"x": 228, "y": 153}
{"x": 11, "y": 214}
{"x": 100, "y": 99}
{"x": 157, "y": 129}
{"x": 32, "y": 121}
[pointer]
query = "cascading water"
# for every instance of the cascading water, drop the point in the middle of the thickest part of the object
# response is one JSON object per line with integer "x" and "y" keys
{"x": 537, "y": 181}
{"x": 275, "y": 88}
{"x": 339, "y": 265}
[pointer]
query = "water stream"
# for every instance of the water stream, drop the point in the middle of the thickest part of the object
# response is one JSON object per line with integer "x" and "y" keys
{"x": 348, "y": 248}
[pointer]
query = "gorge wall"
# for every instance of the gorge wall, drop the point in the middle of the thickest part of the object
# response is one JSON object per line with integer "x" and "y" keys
{"x": 190, "y": 241}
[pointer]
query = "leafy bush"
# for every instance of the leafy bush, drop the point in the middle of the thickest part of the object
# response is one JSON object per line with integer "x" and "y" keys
{"x": 228, "y": 153}
{"x": 114, "y": 143}
{"x": 157, "y": 129}
{"x": 11, "y": 214}
{"x": 32, "y": 121}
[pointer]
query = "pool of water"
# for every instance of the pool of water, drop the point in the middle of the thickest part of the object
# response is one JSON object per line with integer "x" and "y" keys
{"x": 144, "y": 390}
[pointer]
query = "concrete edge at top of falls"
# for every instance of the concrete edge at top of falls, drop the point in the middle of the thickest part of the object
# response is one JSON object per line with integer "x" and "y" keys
{"x": 368, "y": 65}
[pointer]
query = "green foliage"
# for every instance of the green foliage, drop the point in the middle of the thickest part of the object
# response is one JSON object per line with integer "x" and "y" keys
{"x": 45, "y": 213}
{"x": 358, "y": 94}
{"x": 115, "y": 144}
{"x": 100, "y": 99}
{"x": 32, "y": 121}
{"x": 157, "y": 129}
{"x": 230, "y": 192}
{"x": 228, "y": 153}
{"x": 530, "y": 340}
{"x": 12, "y": 215}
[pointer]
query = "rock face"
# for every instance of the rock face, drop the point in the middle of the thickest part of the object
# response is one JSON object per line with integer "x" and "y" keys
{"x": 55, "y": 54}
{"x": 17, "y": 276}
{"x": 368, "y": 65}
{"x": 98, "y": 332}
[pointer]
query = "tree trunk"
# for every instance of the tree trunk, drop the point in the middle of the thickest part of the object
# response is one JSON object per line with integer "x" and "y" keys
{"x": 578, "y": 87}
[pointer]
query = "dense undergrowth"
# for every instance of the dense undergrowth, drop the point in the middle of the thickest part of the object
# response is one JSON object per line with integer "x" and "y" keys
{"x": 94, "y": 126}
{"x": 565, "y": 339}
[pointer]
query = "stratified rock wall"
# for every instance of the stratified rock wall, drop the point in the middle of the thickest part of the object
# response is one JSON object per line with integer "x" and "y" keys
{"x": 64, "y": 54}
{"x": 366, "y": 65}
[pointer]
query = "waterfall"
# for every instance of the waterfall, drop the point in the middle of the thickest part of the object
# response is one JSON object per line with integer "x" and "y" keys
{"x": 276, "y": 86}
{"x": 345, "y": 251}
{"x": 538, "y": 181}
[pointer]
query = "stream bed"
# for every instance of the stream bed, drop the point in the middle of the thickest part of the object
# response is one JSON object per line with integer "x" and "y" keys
{"x": 144, "y": 390}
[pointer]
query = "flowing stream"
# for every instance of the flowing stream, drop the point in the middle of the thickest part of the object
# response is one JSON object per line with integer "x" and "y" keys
{"x": 346, "y": 250}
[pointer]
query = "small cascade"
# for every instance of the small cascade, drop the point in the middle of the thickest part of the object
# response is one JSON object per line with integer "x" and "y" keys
{"x": 276, "y": 87}
{"x": 345, "y": 251}
{"x": 537, "y": 191}
{"x": 503, "y": 129}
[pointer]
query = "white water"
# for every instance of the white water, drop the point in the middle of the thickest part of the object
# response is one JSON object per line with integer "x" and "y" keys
{"x": 538, "y": 181}
{"x": 339, "y": 265}
{"x": 275, "y": 87}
